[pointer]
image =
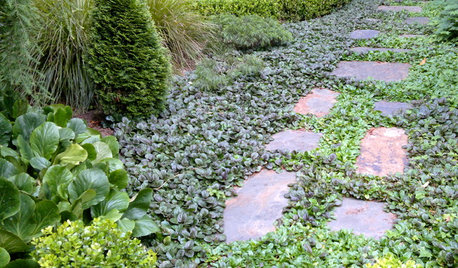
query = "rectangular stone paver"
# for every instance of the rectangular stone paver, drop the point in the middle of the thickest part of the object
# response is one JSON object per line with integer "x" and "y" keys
{"x": 391, "y": 108}
{"x": 362, "y": 217}
{"x": 318, "y": 102}
{"x": 418, "y": 20}
{"x": 362, "y": 70}
{"x": 259, "y": 203}
{"x": 382, "y": 153}
{"x": 363, "y": 50}
{"x": 400, "y": 8}
{"x": 364, "y": 34}
{"x": 294, "y": 140}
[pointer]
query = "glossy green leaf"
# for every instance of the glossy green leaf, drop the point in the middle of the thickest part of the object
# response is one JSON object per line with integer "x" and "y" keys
{"x": 77, "y": 125}
{"x": 25, "y": 124}
{"x": 66, "y": 134}
{"x": 11, "y": 242}
{"x": 56, "y": 181}
{"x": 145, "y": 226}
{"x": 115, "y": 200}
{"x": 126, "y": 225}
{"x": 9, "y": 199}
{"x": 140, "y": 205}
{"x": 44, "y": 140}
{"x": 59, "y": 114}
{"x": 24, "y": 182}
{"x": 4, "y": 257}
{"x": 24, "y": 148}
{"x": 73, "y": 155}
{"x": 5, "y": 130}
{"x": 39, "y": 163}
{"x": 19, "y": 224}
{"x": 119, "y": 178}
{"x": 90, "y": 179}
{"x": 7, "y": 169}
{"x": 23, "y": 263}
{"x": 113, "y": 144}
{"x": 103, "y": 151}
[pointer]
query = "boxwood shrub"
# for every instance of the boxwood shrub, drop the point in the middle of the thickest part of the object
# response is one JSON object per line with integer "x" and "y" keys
{"x": 280, "y": 9}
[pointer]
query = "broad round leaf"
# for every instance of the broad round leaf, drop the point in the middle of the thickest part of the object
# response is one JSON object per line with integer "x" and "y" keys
{"x": 9, "y": 199}
{"x": 20, "y": 223}
{"x": 4, "y": 257}
{"x": 7, "y": 169}
{"x": 5, "y": 130}
{"x": 119, "y": 178}
{"x": 23, "y": 182}
{"x": 11, "y": 242}
{"x": 90, "y": 179}
{"x": 22, "y": 263}
{"x": 56, "y": 181}
{"x": 103, "y": 151}
{"x": 73, "y": 155}
{"x": 145, "y": 226}
{"x": 115, "y": 200}
{"x": 45, "y": 139}
{"x": 77, "y": 125}
{"x": 39, "y": 163}
{"x": 139, "y": 207}
{"x": 25, "y": 124}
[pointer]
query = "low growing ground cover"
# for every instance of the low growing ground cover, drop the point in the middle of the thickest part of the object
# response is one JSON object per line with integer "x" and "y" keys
{"x": 210, "y": 138}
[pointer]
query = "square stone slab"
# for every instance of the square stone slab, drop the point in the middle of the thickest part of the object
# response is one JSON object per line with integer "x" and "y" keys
{"x": 418, "y": 20}
{"x": 382, "y": 153}
{"x": 319, "y": 102}
{"x": 259, "y": 203}
{"x": 364, "y": 34}
{"x": 294, "y": 140}
{"x": 416, "y": 9}
{"x": 362, "y": 70}
{"x": 362, "y": 217}
{"x": 391, "y": 108}
{"x": 363, "y": 50}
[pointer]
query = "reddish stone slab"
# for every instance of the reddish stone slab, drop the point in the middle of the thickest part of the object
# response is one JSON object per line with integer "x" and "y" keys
{"x": 259, "y": 203}
{"x": 362, "y": 70}
{"x": 362, "y": 217}
{"x": 364, "y": 34}
{"x": 400, "y": 8}
{"x": 382, "y": 153}
{"x": 363, "y": 50}
{"x": 319, "y": 102}
{"x": 391, "y": 108}
{"x": 294, "y": 140}
{"x": 418, "y": 20}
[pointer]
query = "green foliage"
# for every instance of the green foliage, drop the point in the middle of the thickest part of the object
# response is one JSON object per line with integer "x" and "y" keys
{"x": 390, "y": 262}
{"x": 17, "y": 44}
{"x": 448, "y": 24}
{"x": 250, "y": 32}
{"x": 184, "y": 31}
{"x": 263, "y": 8}
{"x": 54, "y": 168}
{"x": 213, "y": 75}
{"x": 127, "y": 62}
{"x": 62, "y": 34}
{"x": 294, "y": 10}
{"x": 100, "y": 244}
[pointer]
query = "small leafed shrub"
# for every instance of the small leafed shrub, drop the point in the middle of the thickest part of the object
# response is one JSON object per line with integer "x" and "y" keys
{"x": 390, "y": 261}
{"x": 54, "y": 168}
{"x": 250, "y": 32}
{"x": 126, "y": 59}
{"x": 292, "y": 10}
{"x": 185, "y": 32}
{"x": 448, "y": 24}
{"x": 100, "y": 244}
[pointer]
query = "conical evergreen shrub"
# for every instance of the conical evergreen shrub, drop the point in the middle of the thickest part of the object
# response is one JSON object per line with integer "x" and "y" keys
{"x": 129, "y": 66}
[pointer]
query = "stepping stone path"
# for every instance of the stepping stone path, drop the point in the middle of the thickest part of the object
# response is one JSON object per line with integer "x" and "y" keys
{"x": 363, "y": 50}
{"x": 319, "y": 102}
{"x": 364, "y": 34}
{"x": 391, "y": 108}
{"x": 411, "y": 35}
{"x": 362, "y": 70}
{"x": 415, "y": 9}
{"x": 362, "y": 217}
{"x": 259, "y": 203}
{"x": 382, "y": 153}
{"x": 418, "y": 20}
{"x": 294, "y": 140}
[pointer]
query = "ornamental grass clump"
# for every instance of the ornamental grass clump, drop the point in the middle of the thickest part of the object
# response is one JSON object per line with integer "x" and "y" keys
{"x": 129, "y": 66}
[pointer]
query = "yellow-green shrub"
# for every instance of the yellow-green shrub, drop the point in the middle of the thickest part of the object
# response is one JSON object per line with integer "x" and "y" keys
{"x": 100, "y": 244}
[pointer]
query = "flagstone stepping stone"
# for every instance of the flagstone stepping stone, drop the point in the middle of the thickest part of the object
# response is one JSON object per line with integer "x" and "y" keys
{"x": 259, "y": 203}
{"x": 400, "y": 8}
{"x": 362, "y": 70}
{"x": 364, "y": 34}
{"x": 411, "y": 35}
{"x": 418, "y": 20}
{"x": 362, "y": 217}
{"x": 391, "y": 108}
{"x": 319, "y": 102}
{"x": 363, "y": 50}
{"x": 382, "y": 153}
{"x": 294, "y": 140}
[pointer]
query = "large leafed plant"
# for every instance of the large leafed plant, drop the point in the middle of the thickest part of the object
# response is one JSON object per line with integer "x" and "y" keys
{"x": 53, "y": 168}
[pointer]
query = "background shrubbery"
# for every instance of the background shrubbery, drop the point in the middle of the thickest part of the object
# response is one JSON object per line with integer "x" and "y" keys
{"x": 280, "y": 9}
{"x": 448, "y": 24}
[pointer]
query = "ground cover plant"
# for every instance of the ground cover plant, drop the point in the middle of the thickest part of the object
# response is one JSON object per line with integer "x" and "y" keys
{"x": 207, "y": 141}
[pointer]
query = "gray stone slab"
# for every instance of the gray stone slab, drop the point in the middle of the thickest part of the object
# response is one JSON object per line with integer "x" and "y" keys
{"x": 418, "y": 20}
{"x": 364, "y": 34}
{"x": 400, "y": 8}
{"x": 363, "y": 50}
{"x": 382, "y": 152}
{"x": 259, "y": 203}
{"x": 362, "y": 217}
{"x": 411, "y": 35}
{"x": 362, "y": 70}
{"x": 294, "y": 140}
{"x": 318, "y": 102}
{"x": 391, "y": 108}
